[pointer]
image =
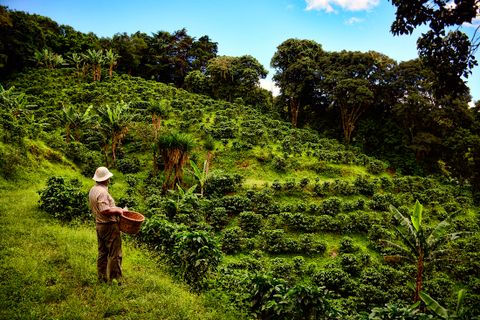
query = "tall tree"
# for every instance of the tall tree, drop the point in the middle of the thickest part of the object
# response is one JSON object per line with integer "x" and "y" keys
{"x": 296, "y": 63}
{"x": 355, "y": 81}
{"x": 353, "y": 96}
{"x": 235, "y": 77}
{"x": 449, "y": 55}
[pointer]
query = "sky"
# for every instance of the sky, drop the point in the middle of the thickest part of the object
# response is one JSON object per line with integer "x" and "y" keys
{"x": 245, "y": 27}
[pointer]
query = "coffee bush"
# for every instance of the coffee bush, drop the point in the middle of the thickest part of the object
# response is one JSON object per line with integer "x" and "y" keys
{"x": 64, "y": 199}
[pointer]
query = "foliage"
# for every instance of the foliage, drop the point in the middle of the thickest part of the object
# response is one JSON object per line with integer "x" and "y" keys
{"x": 419, "y": 246}
{"x": 195, "y": 253}
{"x": 394, "y": 311}
{"x": 64, "y": 199}
{"x": 175, "y": 149}
{"x": 219, "y": 183}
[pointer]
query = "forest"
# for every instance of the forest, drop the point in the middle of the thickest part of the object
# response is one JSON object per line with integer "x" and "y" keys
{"x": 354, "y": 194}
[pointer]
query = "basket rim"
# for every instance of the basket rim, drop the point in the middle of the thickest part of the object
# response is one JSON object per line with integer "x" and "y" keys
{"x": 138, "y": 216}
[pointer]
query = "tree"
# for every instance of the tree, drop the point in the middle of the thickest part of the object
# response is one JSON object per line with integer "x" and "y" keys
{"x": 417, "y": 246}
{"x": 297, "y": 73}
{"x": 449, "y": 55}
{"x": 158, "y": 110}
{"x": 201, "y": 175}
{"x": 353, "y": 96}
{"x": 95, "y": 59}
{"x": 132, "y": 50}
{"x": 175, "y": 150}
{"x": 76, "y": 59}
{"x": 48, "y": 59}
{"x": 73, "y": 118}
{"x": 113, "y": 124}
{"x": 111, "y": 58}
{"x": 354, "y": 82}
{"x": 235, "y": 77}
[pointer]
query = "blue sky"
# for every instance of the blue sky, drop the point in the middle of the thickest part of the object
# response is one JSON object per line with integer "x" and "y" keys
{"x": 254, "y": 27}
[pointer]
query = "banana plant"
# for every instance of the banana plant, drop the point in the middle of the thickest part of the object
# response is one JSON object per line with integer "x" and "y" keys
{"x": 113, "y": 123}
{"x": 111, "y": 58}
{"x": 442, "y": 312}
{"x": 201, "y": 175}
{"x": 183, "y": 196}
{"x": 415, "y": 245}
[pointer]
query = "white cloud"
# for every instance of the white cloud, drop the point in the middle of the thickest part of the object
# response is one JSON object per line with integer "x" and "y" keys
{"x": 351, "y": 5}
{"x": 269, "y": 85}
{"x": 353, "y": 20}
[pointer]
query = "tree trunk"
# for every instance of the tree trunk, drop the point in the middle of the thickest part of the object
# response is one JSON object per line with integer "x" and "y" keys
{"x": 294, "y": 108}
{"x": 67, "y": 138}
{"x": 419, "y": 281}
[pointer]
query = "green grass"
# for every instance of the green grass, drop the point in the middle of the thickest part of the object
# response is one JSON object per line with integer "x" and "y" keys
{"x": 48, "y": 270}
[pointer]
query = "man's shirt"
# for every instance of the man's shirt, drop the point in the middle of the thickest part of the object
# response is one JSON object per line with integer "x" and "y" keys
{"x": 100, "y": 200}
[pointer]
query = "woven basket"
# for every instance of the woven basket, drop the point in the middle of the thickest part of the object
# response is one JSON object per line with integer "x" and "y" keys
{"x": 131, "y": 222}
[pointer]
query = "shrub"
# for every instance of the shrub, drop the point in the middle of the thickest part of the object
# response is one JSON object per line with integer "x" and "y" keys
{"x": 279, "y": 165}
{"x": 305, "y": 301}
{"x": 334, "y": 279}
{"x": 364, "y": 186}
{"x": 332, "y": 206}
{"x": 160, "y": 234}
{"x": 195, "y": 253}
{"x": 303, "y": 183}
{"x": 128, "y": 165}
{"x": 282, "y": 268}
{"x": 375, "y": 166}
{"x": 351, "y": 263}
{"x": 250, "y": 222}
{"x": 64, "y": 199}
{"x": 395, "y": 311}
{"x": 310, "y": 246}
{"x": 322, "y": 189}
{"x": 276, "y": 185}
{"x": 300, "y": 221}
{"x": 275, "y": 241}
{"x": 263, "y": 203}
{"x": 218, "y": 218}
{"x": 232, "y": 240}
{"x": 11, "y": 158}
{"x": 342, "y": 187}
{"x": 219, "y": 183}
{"x": 381, "y": 202}
{"x": 347, "y": 245}
{"x": 235, "y": 204}
{"x": 327, "y": 223}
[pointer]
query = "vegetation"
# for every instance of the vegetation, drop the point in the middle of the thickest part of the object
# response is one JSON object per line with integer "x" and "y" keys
{"x": 284, "y": 221}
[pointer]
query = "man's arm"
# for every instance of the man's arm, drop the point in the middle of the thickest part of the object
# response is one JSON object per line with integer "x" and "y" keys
{"x": 114, "y": 211}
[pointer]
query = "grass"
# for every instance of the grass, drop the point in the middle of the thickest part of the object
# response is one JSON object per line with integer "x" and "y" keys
{"x": 48, "y": 270}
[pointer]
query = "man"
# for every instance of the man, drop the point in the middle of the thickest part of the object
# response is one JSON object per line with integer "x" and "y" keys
{"x": 109, "y": 262}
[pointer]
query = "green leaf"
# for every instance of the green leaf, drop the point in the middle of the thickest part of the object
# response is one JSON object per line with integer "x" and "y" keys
{"x": 417, "y": 216}
{"x": 433, "y": 305}
{"x": 460, "y": 297}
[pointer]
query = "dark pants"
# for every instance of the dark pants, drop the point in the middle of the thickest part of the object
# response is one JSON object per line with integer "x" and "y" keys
{"x": 109, "y": 262}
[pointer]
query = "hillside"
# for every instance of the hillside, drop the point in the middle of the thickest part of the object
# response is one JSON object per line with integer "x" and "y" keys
{"x": 48, "y": 269}
{"x": 298, "y": 217}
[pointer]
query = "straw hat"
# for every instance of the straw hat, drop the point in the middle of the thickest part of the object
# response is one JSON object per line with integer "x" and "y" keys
{"x": 102, "y": 174}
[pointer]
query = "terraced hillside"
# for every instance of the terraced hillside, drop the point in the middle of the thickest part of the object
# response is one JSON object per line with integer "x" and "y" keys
{"x": 280, "y": 222}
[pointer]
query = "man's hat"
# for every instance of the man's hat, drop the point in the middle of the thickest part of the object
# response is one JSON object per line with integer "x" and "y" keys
{"x": 102, "y": 174}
